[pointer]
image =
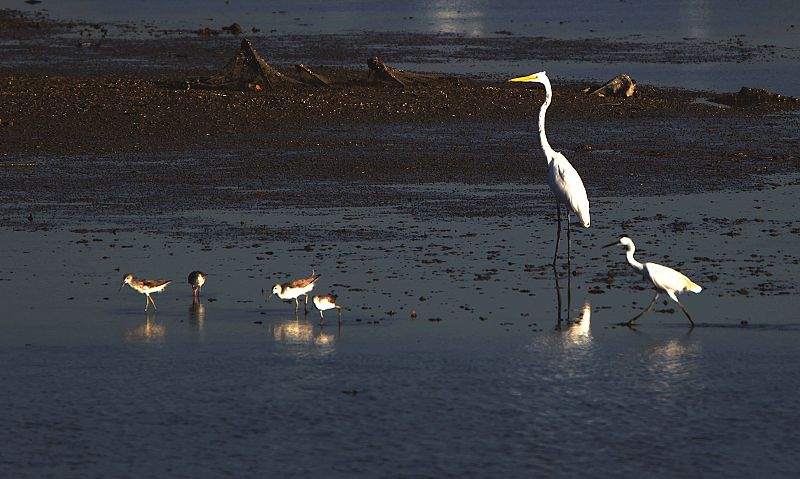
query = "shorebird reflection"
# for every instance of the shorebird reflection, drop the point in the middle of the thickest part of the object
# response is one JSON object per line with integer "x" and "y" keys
{"x": 149, "y": 332}
{"x": 197, "y": 314}
{"x": 297, "y": 332}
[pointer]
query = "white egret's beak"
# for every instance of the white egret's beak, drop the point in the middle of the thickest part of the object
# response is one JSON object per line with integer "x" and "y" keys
{"x": 528, "y": 78}
{"x": 615, "y": 243}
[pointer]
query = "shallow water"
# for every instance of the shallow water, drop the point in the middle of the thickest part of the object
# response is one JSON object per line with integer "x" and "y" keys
{"x": 773, "y": 26}
{"x": 486, "y": 378}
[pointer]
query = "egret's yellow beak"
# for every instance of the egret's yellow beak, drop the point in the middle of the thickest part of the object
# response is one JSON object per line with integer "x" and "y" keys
{"x": 525, "y": 78}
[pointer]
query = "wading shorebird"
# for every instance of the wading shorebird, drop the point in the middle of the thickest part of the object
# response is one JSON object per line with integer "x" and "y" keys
{"x": 145, "y": 286}
{"x": 564, "y": 180}
{"x": 196, "y": 280}
{"x": 664, "y": 279}
{"x": 295, "y": 288}
{"x": 324, "y": 303}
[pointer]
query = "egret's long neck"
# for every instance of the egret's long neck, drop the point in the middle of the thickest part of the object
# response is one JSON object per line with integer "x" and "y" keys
{"x": 631, "y": 260}
{"x": 542, "y": 112}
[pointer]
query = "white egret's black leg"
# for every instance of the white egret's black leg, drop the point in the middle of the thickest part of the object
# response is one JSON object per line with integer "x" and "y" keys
{"x": 569, "y": 243}
{"x": 684, "y": 312}
{"x": 558, "y": 300}
{"x": 558, "y": 232}
{"x": 655, "y": 298}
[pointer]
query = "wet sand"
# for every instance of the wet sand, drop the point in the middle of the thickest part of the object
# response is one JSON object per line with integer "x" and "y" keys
{"x": 431, "y": 200}
{"x": 118, "y": 117}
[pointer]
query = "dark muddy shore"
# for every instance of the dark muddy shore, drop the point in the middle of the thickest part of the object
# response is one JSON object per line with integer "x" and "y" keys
{"x": 107, "y": 135}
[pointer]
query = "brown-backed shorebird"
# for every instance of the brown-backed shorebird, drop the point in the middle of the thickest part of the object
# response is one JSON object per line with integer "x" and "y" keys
{"x": 196, "y": 280}
{"x": 296, "y": 288}
{"x": 324, "y": 303}
{"x": 145, "y": 286}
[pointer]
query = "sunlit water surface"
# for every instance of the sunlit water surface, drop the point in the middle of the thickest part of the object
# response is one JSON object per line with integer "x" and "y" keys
{"x": 774, "y": 25}
{"x": 484, "y": 381}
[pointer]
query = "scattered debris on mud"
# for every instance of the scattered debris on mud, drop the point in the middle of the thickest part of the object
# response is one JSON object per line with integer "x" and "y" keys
{"x": 749, "y": 97}
{"x": 620, "y": 85}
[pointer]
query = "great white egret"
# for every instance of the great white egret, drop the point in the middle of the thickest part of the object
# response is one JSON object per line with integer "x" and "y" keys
{"x": 196, "y": 280}
{"x": 664, "y": 279}
{"x": 145, "y": 286}
{"x": 564, "y": 181}
{"x": 296, "y": 288}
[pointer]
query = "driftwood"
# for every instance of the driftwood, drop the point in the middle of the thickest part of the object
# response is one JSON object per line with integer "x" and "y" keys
{"x": 382, "y": 73}
{"x": 620, "y": 85}
{"x": 310, "y": 77}
{"x": 247, "y": 70}
{"x": 755, "y": 96}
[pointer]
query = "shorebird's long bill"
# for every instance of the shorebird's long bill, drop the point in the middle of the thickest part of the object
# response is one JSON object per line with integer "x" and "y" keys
{"x": 615, "y": 243}
{"x": 524, "y": 79}
{"x": 120, "y": 286}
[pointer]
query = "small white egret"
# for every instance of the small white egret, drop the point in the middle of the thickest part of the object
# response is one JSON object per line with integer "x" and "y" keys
{"x": 664, "y": 279}
{"x": 564, "y": 181}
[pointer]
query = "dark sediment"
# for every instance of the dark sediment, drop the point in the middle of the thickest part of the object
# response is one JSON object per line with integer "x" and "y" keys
{"x": 124, "y": 139}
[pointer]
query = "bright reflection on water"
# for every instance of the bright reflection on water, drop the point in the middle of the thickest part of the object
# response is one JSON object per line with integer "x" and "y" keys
{"x": 579, "y": 333}
{"x": 149, "y": 332}
{"x": 498, "y": 375}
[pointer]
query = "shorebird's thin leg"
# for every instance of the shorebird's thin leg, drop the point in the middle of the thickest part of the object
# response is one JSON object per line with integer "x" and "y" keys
{"x": 305, "y": 306}
{"x": 321, "y": 317}
{"x": 296, "y": 304}
{"x": 152, "y": 302}
{"x": 146, "y": 301}
{"x": 339, "y": 314}
{"x": 655, "y": 298}
{"x": 558, "y": 232}
{"x": 685, "y": 312}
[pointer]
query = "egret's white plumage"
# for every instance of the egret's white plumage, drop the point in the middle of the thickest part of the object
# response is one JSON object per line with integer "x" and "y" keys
{"x": 564, "y": 180}
{"x": 664, "y": 279}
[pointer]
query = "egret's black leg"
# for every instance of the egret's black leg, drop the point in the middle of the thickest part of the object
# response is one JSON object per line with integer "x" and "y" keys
{"x": 682, "y": 307}
{"x": 569, "y": 243}
{"x": 558, "y": 232}
{"x": 655, "y": 298}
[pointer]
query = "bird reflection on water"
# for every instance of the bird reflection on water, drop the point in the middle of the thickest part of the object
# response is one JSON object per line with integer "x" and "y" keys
{"x": 579, "y": 333}
{"x": 197, "y": 315}
{"x": 299, "y": 332}
{"x": 149, "y": 332}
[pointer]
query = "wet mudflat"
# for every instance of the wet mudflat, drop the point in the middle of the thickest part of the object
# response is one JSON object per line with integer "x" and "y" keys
{"x": 426, "y": 212}
{"x": 482, "y": 376}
